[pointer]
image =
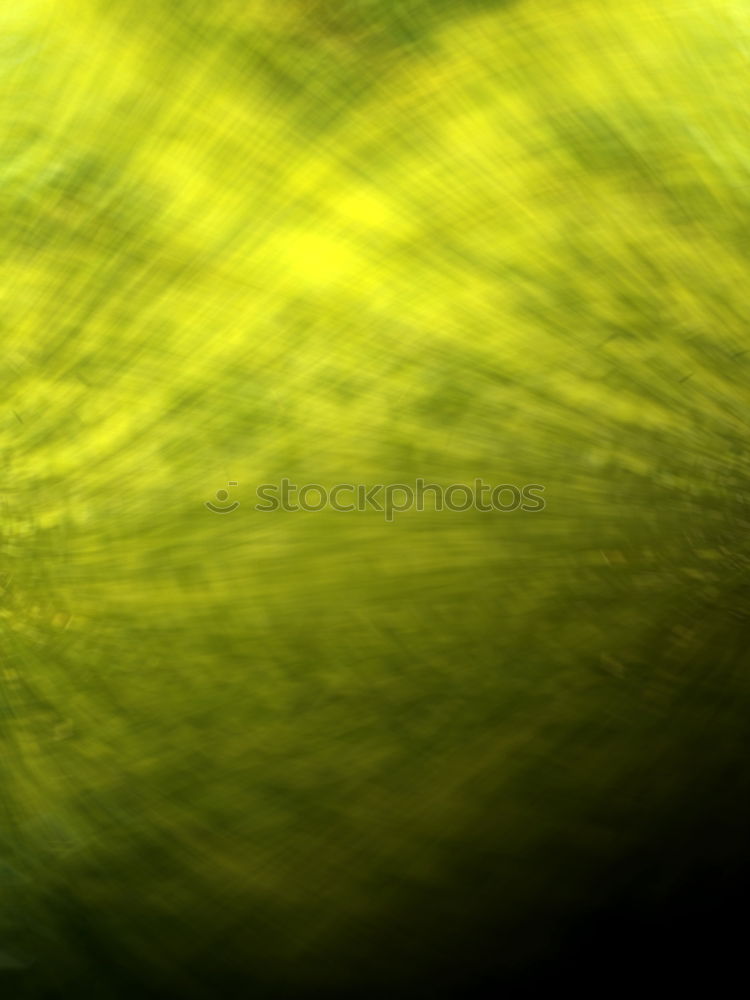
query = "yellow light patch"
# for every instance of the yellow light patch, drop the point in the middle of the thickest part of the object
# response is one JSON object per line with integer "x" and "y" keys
{"x": 369, "y": 208}
{"x": 317, "y": 259}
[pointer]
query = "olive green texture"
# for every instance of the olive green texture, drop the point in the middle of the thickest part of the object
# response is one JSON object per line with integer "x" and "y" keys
{"x": 297, "y": 754}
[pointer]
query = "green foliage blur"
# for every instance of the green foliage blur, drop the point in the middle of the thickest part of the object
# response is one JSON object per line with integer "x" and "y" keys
{"x": 290, "y": 754}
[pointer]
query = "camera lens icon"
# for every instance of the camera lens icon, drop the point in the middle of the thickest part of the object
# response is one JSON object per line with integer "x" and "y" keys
{"x": 222, "y": 496}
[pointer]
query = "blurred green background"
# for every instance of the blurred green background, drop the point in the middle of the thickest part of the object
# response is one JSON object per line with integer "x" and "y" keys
{"x": 290, "y": 754}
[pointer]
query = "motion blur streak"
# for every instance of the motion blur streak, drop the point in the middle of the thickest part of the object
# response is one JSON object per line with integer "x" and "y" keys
{"x": 270, "y": 755}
